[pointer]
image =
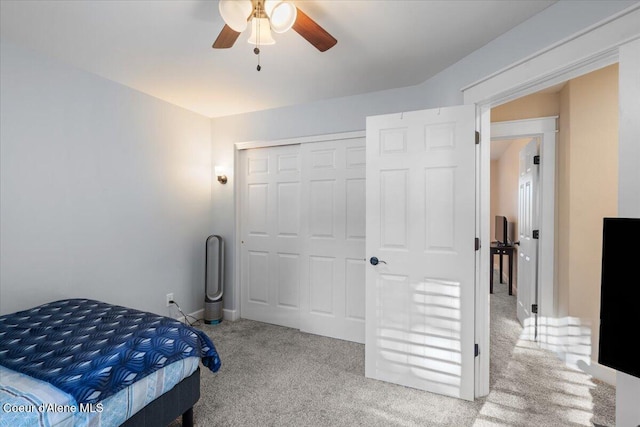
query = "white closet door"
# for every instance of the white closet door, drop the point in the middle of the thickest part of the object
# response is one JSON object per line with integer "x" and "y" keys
{"x": 303, "y": 236}
{"x": 271, "y": 235}
{"x": 332, "y": 293}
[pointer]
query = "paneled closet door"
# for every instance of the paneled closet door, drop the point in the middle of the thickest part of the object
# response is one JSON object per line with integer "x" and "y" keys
{"x": 302, "y": 231}
{"x": 271, "y": 235}
{"x": 332, "y": 294}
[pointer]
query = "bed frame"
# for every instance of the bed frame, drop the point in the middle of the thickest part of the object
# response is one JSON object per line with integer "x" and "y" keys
{"x": 171, "y": 405}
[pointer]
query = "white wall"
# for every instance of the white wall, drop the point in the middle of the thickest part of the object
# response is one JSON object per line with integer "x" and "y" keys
{"x": 553, "y": 24}
{"x": 105, "y": 191}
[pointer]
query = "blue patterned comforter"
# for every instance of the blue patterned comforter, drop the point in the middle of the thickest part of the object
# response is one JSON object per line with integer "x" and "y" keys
{"x": 92, "y": 350}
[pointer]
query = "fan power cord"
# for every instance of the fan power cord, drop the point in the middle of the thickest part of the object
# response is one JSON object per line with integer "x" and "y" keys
{"x": 185, "y": 316}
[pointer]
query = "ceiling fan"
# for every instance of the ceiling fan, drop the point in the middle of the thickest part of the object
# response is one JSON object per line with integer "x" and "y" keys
{"x": 266, "y": 16}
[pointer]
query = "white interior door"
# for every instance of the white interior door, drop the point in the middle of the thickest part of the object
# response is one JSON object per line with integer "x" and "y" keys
{"x": 332, "y": 293}
{"x": 421, "y": 226}
{"x": 271, "y": 235}
{"x": 527, "y": 223}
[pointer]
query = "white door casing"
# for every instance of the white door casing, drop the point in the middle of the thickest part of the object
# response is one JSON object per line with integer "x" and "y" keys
{"x": 592, "y": 48}
{"x": 544, "y": 130}
{"x": 421, "y": 226}
{"x": 528, "y": 221}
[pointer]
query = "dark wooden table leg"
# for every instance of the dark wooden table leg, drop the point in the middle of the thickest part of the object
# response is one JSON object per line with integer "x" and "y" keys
{"x": 500, "y": 255}
{"x": 491, "y": 277}
{"x": 510, "y": 255}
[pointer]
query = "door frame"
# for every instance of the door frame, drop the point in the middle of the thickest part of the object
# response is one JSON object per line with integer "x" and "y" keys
{"x": 595, "y": 47}
{"x": 246, "y": 145}
{"x": 545, "y": 130}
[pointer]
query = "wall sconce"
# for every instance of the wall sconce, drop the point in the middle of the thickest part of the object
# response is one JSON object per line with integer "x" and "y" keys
{"x": 220, "y": 173}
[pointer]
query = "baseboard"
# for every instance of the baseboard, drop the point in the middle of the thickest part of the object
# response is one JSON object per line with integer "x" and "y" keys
{"x": 199, "y": 315}
{"x": 230, "y": 315}
{"x": 570, "y": 339}
{"x": 600, "y": 372}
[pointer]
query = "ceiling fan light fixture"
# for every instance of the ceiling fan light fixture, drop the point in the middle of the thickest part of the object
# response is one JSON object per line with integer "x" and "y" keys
{"x": 260, "y": 32}
{"x": 235, "y": 13}
{"x": 282, "y": 15}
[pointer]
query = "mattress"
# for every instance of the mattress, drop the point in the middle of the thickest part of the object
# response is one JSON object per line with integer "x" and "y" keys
{"x": 29, "y": 402}
{"x": 85, "y": 362}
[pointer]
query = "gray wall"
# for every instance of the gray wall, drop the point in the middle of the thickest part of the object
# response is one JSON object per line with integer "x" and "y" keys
{"x": 554, "y": 24}
{"x": 105, "y": 192}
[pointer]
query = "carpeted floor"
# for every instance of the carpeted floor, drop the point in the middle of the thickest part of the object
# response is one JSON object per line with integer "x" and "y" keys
{"x": 276, "y": 376}
{"x": 531, "y": 386}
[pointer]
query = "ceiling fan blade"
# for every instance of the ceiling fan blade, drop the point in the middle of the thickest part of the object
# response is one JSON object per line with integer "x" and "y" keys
{"x": 313, "y": 33}
{"x": 226, "y": 38}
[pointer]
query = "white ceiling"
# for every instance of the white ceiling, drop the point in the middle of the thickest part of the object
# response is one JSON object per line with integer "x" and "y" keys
{"x": 163, "y": 48}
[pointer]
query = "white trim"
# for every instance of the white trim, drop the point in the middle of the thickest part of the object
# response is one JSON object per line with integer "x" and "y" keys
{"x": 629, "y": 128}
{"x": 544, "y": 128}
{"x": 483, "y": 207}
{"x": 586, "y": 51}
{"x": 230, "y": 315}
{"x": 300, "y": 140}
{"x": 236, "y": 236}
{"x": 583, "y": 52}
{"x": 523, "y": 128}
{"x": 601, "y": 372}
{"x": 199, "y": 314}
{"x": 627, "y": 386}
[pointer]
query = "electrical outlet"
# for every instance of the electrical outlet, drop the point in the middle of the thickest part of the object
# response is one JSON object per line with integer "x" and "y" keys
{"x": 169, "y": 299}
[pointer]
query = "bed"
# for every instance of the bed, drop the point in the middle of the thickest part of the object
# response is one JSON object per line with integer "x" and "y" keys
{"x": 81, "y": 362}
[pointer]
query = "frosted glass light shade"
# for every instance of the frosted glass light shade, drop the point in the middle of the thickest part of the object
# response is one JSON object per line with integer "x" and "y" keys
{"x": 235, "y": 13}
{"x": 265, "y": 32}
{"x": 282, "y": 14}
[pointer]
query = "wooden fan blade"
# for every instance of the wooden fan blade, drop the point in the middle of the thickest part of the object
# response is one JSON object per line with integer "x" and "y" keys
{"x": 226, "y": 38}
{"x": 313, "y": 33}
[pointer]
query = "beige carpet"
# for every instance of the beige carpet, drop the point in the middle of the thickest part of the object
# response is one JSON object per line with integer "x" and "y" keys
{"x": 531, "y": 386}
{"x": 276, "y": 376}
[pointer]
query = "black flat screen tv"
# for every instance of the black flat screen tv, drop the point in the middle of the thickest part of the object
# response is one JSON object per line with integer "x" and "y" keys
{"x": 620, "y": 295}
{"x": 501, "y": 230}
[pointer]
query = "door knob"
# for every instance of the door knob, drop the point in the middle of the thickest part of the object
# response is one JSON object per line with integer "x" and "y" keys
{"x": 375, "y": 261}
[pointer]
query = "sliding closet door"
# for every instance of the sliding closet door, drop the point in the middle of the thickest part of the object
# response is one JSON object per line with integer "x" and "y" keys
{"x": 270, "y": 235}
{"x": 332, "y": 294}
{"x": 302, "y": 211}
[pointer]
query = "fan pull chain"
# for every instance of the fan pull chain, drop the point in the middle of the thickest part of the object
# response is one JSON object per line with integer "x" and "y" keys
{"x": 256, "y": 49}
{"x": 257, "y": 52}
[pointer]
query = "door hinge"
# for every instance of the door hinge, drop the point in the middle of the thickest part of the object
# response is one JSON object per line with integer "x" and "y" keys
{"x": 477, "y": 137}
{"x": 534, "y": 308}
{"x": 477, "y": 244}
{"x": 536, "y": 160}
{"x": 536, "y": 234}
{"x": 476, "y": 350}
